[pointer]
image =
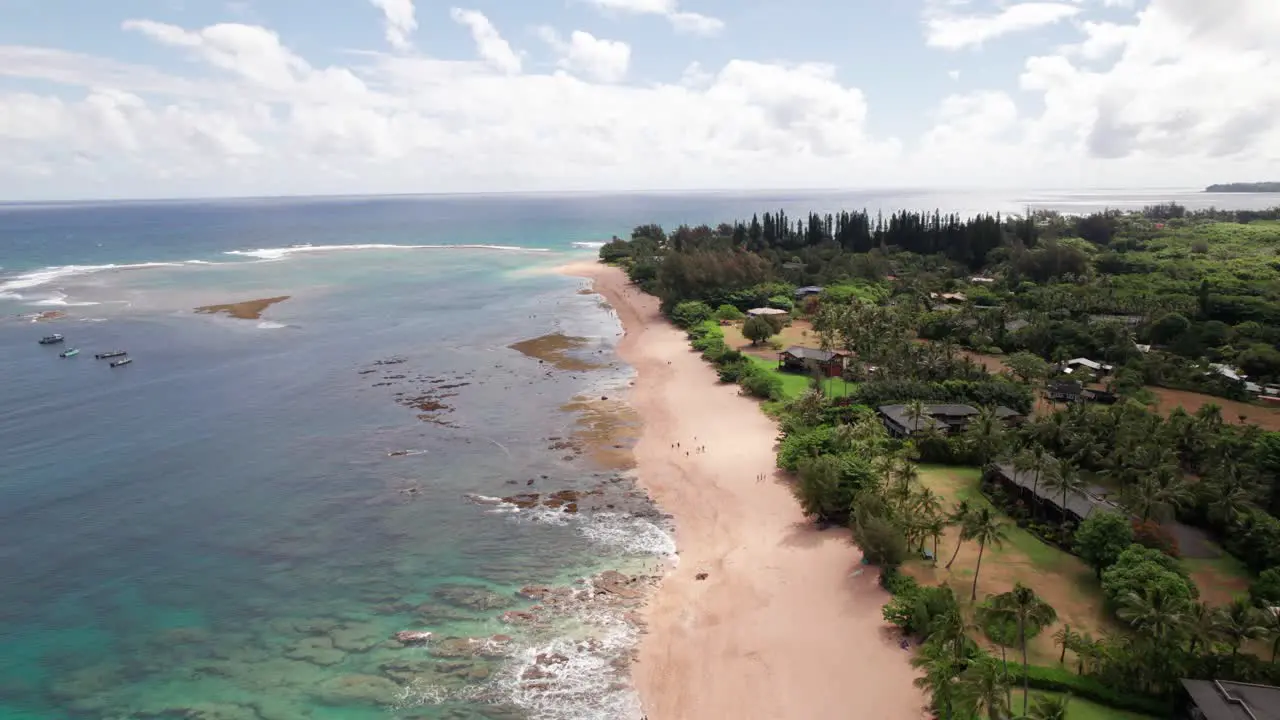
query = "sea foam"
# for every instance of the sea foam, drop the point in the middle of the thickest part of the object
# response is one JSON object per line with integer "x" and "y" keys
{"x": 281, "y": 253}
{"x": 44, "y": 276}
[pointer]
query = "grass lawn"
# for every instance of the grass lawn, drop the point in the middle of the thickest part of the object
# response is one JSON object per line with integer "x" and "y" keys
{"x": 1079, "y": 708}
{"x": 1219, "y": 579}
{"x": 1062, "y": 579}
{"x": 793, "y": 384}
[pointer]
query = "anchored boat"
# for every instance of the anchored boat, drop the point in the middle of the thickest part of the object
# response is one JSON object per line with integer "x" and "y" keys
{"x": 110, "y": 354}
{"x": 121, "y": 363}
{"x": 69, "y": 353}
{"x": 53, "y": 339}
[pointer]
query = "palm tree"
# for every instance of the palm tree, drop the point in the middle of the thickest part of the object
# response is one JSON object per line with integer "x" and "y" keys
{"x": 1239, "y": 622}
{"x": 1158, "y": 494}
{"x": 1049, "y": 707}
{"x": 1230, "y": 501}
{"x": 960, "y": 516}
{"x": 987, "y": 530}
{"x": 915, "y": 412}
{"x": 1064, "y": 480}
{"x": 1065, "y": 638}
{"x": 1023, "y": 606}
{"x": 1155, "y": 613}
{"x": 1201, "y": 626}
{"x": 985, "y": 435}
{"x": 1035, "y": 460}
{"x": 933, "y": 529}
{"x": 939, "y": 678}
{"x": 1271, "y": 621}
{"x": 984, "y": 688}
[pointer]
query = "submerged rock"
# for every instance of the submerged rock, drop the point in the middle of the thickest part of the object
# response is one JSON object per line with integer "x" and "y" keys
{"x": 317, "y": 651}
{"x": 412, "y": 637}
{"x": 357, "y": 637}
{"x": 358, "y": 689}
{"x": 472, "y": 597}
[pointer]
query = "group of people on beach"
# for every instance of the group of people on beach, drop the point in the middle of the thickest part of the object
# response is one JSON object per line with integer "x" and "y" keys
{"x": 696, "y": 449}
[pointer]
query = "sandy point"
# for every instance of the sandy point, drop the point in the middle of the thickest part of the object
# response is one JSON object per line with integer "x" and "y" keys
{"x": 764, "y": 617}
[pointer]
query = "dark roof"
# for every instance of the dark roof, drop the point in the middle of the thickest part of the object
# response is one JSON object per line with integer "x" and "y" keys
{"x": 1223, "y": 700}
{"x": 1079, "y": 503}
{"x": 806, "y": 353}
{"x": 809, "y": 290}
{"x": 1065, "y": 386}
{"x": 898, "y": 413}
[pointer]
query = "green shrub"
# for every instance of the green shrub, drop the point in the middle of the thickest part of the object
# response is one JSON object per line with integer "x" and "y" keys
{"x": 1265, "y": 590}
{"x": 728, "y": 313}
{"x": 897, "y": 583}
{"x": 781, "y": 302}
{"x": 732, "y": 371}
{"x": 1060, "y": 680}
{"x": 761, "y": 384}
{"x": 881, "y": 540}
{"x": 690, "y": 313}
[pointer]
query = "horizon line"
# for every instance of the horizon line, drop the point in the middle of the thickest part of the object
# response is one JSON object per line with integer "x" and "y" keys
{"x": 598, "y": 193}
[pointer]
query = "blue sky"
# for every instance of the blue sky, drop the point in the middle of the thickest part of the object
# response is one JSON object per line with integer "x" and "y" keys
{"x": 210, "y": 96}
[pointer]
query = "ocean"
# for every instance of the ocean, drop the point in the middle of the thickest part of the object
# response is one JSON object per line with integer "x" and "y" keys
{"x": 238, "y": 524}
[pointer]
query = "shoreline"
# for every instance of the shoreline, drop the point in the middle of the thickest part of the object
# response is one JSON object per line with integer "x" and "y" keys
{"x": 778, "y": 627}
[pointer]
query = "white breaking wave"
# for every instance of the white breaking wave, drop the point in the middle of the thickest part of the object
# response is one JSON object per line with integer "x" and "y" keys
{"x": 629, "y": 534}
{"x": 281, "y": 253}
{"x": 44, "y": 276}
{"x": 60, "y": 300}
{"x": 589, "y": 245}
{"x": 268, "y": 325}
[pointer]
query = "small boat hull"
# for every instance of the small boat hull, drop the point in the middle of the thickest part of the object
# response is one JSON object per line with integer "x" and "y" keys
{"x": 121, "y": 363}
{"x": 111, "y": 354}
{"x": 69, "y": 353}
{"x": 51, "y": 339}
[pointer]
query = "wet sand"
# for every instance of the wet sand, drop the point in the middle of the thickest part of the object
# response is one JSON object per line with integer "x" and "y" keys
{"x": 559, "y": 350}
{"x": 245, "y": 310}
{"x": 778, "y": 627}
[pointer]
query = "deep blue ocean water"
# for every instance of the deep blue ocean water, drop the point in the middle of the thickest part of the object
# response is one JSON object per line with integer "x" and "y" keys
{"x": 233, "y": 526}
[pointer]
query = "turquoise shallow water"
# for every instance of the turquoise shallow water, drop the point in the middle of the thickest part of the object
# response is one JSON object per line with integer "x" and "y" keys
{"x": 236, "y": 525}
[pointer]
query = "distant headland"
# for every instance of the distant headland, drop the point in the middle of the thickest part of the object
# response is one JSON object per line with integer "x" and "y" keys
{"x": 1253, "y": 187}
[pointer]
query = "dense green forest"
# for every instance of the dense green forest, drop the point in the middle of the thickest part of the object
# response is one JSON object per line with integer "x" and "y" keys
{"x": 1164, "y": 295}
{"x": 1253, "y": 187}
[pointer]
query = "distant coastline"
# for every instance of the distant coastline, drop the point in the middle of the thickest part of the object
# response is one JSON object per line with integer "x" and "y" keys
{"x": 1251, "y": 187}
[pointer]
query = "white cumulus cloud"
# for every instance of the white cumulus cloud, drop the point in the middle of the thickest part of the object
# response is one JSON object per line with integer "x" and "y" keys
{"x": 1173, "y": 92}
{"x": 399, "y": 21}
{"x": 489, "y": 42}
{"x": 585, "y": 54}
{"x": 682, "y": 20}
{"x": 948, "y": 28}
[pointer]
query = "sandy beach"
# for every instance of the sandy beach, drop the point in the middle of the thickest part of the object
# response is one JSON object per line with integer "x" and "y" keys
{"x": 779, "y": 627}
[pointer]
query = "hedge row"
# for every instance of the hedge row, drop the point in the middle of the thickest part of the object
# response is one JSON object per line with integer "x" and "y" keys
{"x": 1060, "y": 680}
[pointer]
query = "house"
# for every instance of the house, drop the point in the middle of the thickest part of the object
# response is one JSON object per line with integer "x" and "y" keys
{"x": 807, "y": 360}
{"x": 1070, "y": 366}
{"x": 1063, "y": 391}
{"x": 946, "y": 418}
{"x": 982, "y": 280}
{"x": 808, "y": 290}
{"x": 765, "y": 312}
{"x": 1226, "y": 700}
{"x": 1079, "y": 505}
{"x": 1226, "y": 371}
{"x": 949, "y": 297}
{"x": 1104, "y": 397}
